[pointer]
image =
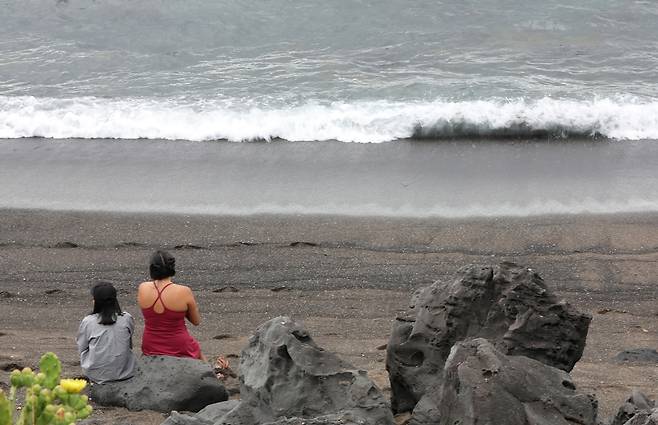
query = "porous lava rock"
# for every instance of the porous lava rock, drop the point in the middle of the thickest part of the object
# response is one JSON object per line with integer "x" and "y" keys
{"x": 206, "y": 416}
{"x": 481, "y": 385}
{"x": 163, "y": 383}
{"x": 286, "y": 379}
{"x": 215, "y": 412}
{"x": 507, "y": 304}
{"x": 636, "y": 404}
{"x": 177, "y": 418}
{"x": 338, "y": 419}
{"x": 645, "y": 418}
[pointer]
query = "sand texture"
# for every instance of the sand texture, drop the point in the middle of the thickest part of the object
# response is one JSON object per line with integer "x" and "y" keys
{"x": 345, "y": 278}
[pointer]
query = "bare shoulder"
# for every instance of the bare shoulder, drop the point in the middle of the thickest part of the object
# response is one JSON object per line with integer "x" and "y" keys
{"x": 183, "y": 288}
{"x": 184, "y": 292}
{"x": 143, "y": 285}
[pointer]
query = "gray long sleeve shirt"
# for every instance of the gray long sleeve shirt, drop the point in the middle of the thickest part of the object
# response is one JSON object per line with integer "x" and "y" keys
{"x": 106, "y": 350}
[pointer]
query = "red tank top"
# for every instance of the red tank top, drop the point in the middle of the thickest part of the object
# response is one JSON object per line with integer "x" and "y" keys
{"x": 165, "y": 333}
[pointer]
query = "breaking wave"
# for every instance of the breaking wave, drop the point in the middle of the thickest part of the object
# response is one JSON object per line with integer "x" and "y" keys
{"x": 503, "y": 209}
{"x": 623, "y": 118}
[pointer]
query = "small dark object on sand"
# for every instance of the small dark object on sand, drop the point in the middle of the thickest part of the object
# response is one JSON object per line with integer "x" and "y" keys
{"x": 279, "y": 288}
{"x": 129, "y": 244}
{"x": 611, "y": 310}
{"x": 189, "y": 246}
{"x": 222, "y": 336}
{"x": 226, "y": 289}
{"x": 638, "y": 355}
{"x": 65, "y": 244}
{"x": 298, "y": 243}
{"x": 52, "y": 291}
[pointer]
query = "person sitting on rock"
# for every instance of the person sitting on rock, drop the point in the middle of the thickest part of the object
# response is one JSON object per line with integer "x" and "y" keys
{"x": 104, "y": 338}
{"x": 165, "y": 306}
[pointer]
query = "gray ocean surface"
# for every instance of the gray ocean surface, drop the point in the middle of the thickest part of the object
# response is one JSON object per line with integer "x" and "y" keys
{"x": 354, "y": 71}
{"x": 163, "y": 74}
{"x": 286, "y": 52}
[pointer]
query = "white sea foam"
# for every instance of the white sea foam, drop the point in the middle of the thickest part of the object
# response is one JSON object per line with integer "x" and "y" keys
{"x": 503, "y": 209}
{"x": 624, "y": 118}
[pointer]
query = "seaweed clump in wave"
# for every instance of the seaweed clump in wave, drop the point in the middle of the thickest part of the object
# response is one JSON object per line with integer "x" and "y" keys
{"x": 462, "y": 130}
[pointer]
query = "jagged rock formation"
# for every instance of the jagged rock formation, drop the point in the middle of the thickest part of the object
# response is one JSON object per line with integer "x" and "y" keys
{"x": 286, "y": 379}
{"x": 481, "y": 385}
{"x": 637, "y": 404}
{"x": 285, "y": 375}
{"x": 649, "y": 417}
{"x": 163, "y": 383}
{"x": 507, "y": 304}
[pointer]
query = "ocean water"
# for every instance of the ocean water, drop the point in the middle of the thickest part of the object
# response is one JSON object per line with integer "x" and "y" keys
{"x": 334, "y": 74}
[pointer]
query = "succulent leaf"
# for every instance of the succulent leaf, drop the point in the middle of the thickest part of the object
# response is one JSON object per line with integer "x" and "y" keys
{"x": 51, "y": 367}
{"x": 5, "y": 410}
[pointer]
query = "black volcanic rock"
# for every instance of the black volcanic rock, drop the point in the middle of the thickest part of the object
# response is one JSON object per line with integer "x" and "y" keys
{"x": 163, "y": 383}
{"x": 507, "y": 304}
{"x": 636, "y": 404}
{"x": 177, "y": 418}
{"x": 481, "y": 385}
{"x": 645, "y": 418}
{"x": 285, "y": 378}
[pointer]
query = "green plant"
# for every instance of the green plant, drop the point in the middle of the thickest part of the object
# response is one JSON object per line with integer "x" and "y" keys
{"x": 48, "y": 400}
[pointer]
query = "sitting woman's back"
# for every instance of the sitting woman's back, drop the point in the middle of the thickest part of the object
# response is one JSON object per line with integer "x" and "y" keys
{"x": 105, "y": 338}
{"x": 165, "y": 306}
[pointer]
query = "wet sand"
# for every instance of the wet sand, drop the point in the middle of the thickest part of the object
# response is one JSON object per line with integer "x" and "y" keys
{"x": 344, "y": 277}
{"x": 483, "y": 178}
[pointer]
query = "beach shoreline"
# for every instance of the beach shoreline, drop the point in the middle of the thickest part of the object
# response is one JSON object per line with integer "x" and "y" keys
{"x": 423, "y": 179}
{"x": 324, "y": 161}
{"x": 344, "y": 277}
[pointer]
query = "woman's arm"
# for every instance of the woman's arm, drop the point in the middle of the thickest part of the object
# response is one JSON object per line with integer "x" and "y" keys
{"x": 192, "y": 310}
{"x": 82, "y": 339}
{"x": 131, "y": 328}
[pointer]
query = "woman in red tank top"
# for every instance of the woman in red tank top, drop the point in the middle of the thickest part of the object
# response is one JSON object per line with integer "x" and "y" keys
{"x": 165, "y": 306}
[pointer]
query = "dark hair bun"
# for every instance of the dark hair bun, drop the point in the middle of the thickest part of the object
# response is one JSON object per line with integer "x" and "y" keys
{"x": 163, "y": 265}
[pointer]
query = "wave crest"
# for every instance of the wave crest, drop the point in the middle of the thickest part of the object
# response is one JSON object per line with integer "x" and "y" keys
{"x": 450, "y": 130}
{"x": 624, "y": 118}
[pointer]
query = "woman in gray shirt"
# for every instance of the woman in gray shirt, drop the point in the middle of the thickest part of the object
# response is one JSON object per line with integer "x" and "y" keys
{"x": 105, "y": 338}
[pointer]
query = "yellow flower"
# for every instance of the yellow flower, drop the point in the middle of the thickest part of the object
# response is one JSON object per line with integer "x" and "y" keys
{"x": 73, "y": 386}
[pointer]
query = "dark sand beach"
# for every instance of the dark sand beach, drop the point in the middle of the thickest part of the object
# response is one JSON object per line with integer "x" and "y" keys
{"x": 323, "y": 160}
{"x": 344, "y": 277}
